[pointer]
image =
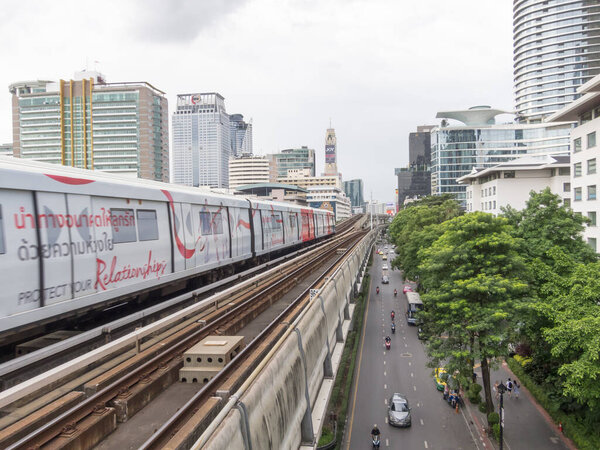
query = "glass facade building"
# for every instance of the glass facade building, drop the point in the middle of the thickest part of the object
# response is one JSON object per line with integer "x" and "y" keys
{"x": 201, "y": 141}
{"x": 556, "y": 49}
{"x": 457, "y": 150}
{"x": 354, "y": 190}
{"x": 87, "y": 123}
{"x": 241, "y": 136}
{"x": 292, "y": 158}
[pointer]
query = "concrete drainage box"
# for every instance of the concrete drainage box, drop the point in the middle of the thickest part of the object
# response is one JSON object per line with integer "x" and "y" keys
{"x": 205, "y": 359}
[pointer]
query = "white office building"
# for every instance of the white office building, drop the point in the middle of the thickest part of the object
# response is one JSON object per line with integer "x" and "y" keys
{"x": 331, "y": 198}
{"x": 248, "y": 169}
{"x": 201, "y": 141}
{"x": 585, "y": 154}
{"x": 509, "y": 183}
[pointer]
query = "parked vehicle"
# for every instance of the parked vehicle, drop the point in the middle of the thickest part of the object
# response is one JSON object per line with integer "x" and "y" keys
{"x": 413, "y": 306}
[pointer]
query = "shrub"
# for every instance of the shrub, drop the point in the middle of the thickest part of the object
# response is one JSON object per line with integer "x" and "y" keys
{"x": 493, "y": 418}
{"x": 482, "y": 408}
{"x": 474, "y": 398}
{"x": 496, "y": 431}
{"x": 475, "y": 388}
{"x": 523, "y": 360}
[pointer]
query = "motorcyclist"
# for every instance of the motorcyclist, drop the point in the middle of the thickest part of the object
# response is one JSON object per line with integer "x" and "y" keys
{"x": 393, "y": 327}
{"x": 375, "y": 432}
{"x": 395, "y": 292}
{"x": 388, "y": 341}
{"x": 377, "y": 289}
{"x": 393, "y": 315}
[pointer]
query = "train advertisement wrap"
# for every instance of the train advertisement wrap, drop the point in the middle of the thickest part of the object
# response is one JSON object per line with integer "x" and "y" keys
{"x": 80, "y": 234}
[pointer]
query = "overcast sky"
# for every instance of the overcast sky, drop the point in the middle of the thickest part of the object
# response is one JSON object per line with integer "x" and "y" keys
{"x": 376, "y": 68}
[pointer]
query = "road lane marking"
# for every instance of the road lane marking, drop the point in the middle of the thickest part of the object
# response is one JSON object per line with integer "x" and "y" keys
{"x": 414, "y": 388}
{"x": 385, "y": 386}
{"x": 406, "y": 345}
{"x": 387, "y": 442}
{"x": 412, "y": 375}
{"x": 384, "y": 373}
{"x": 409, "y": 363}
{"x": 386, "y": 420}
{"x": 425, "y": 442}
{"x": 422, "y": 422}
{"x": 385, "y": 401}
{"x": 384, "y": 363}
{"x": 362, "y": 344}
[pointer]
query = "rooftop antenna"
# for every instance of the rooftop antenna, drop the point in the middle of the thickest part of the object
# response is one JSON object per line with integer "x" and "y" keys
{"x": 330, "y": 122}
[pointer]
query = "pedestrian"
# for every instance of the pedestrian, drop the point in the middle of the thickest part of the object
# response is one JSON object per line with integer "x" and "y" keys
{"x": 495, "y": 388}
{"x": 474, "y": 377}
{"x": 516, "y": 388}
{"x": 509, "y": 386}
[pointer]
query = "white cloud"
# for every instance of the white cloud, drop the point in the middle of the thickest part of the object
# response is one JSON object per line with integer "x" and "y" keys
{"x": 377, "y": 68}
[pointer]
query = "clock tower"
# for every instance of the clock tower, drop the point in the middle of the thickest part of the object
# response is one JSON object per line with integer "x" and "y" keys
{"x": 330, "y": 153}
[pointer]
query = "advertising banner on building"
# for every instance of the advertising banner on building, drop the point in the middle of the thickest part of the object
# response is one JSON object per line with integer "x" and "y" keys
{"x": 390, "y": 208}
{"x": 323, "y": 205}
{"x": 330, "y": 154}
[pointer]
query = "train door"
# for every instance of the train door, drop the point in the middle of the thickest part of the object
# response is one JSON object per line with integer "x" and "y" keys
{"x": 189, "y": 231}
{"x": 55, "y": 244}
{"x": 84, "y": 231}
{"x": 19, "y": 253}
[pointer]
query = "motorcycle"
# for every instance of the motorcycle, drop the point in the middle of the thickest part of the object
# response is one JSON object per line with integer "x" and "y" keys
{"x": 395, "y": 293}
{"x": 377, "y": 289}
{"x": 393, "y": 315}
{"x": 388, "y": 343}
{"x": 376, "y": 441}
{"x": 393, "y": 328}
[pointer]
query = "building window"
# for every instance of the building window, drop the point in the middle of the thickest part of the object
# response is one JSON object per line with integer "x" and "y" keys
{"x": 591, "y": 166}
{"x": 564, "y": 171}
{"x": 591, "y": 140}
{"x": 592, "y": 217}
{"x": 509, "y": 174}
{"x": 591, "y": 192}
{"x": 592, "y": 243}
{"x": 494, "y": 204}
{"x": 577, "y": 169}
{"x": 566, "y": 187}
{"x": 577, "y": 194}
{"x": 576, "y": 145}
{"x": 494, "y": 190}
{"x": 567, "y": 202}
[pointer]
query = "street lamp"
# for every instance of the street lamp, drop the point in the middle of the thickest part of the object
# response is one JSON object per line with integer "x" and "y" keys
{"x": 501, "y": 390}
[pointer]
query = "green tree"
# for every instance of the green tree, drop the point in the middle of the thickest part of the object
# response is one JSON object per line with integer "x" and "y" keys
{"x": 472, "y": 275}
{"x": 414, "y": 228}
{"x": 575, "y": 335}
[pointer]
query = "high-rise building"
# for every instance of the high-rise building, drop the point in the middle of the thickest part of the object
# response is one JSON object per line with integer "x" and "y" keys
{"x": 291, "y": 158}
{"x": 241, "y": 135}
{"x": 414, "y": 180}
{"x": 457, "y": 150}
{"x": 556, "y": 48}
{"x": 248, "y": 169}
{"x": 330, "y": 153}
{"x": 89, "y": 123}
{"x": 6, "y": 149}
{"x": 354, "y": 191}
{"x": 585, "y": 156}
{"x": 201, "y": 141}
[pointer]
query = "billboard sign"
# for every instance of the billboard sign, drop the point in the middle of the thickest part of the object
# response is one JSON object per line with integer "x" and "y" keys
{"x": 330, "y": 154}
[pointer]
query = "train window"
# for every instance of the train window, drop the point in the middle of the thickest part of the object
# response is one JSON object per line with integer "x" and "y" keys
{"x": 205, "y": 227}
{"x": 123, "y": 225}
{"x": 147, "y": 224}
{"x": 217, "y": 223}
{"x": 2, "y": 248}
{"x": 292, "y": 220}
{"x": 276, "y": 221}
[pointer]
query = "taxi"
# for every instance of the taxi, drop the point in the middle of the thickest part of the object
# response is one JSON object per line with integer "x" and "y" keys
{"x": 439, "y": 377}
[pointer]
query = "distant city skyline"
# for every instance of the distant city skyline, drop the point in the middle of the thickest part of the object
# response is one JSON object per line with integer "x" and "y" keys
{"x": 366, "y": 64}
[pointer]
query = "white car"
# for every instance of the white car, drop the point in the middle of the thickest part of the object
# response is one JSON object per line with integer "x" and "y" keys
{"x": 385, "y": 267}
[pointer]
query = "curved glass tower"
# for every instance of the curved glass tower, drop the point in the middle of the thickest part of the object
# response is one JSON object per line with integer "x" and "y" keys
{"x": 556, "y": 49}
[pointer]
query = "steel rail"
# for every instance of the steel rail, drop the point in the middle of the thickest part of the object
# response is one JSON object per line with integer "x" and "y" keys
{"x": 101, "y": 398}
{"x": 170, "y": 428}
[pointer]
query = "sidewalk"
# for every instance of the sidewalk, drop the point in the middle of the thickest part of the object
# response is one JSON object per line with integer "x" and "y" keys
{"x": 527, "y": 426}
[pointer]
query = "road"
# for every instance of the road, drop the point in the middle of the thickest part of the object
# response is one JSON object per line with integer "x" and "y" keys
{"x": 401, "y": 369}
